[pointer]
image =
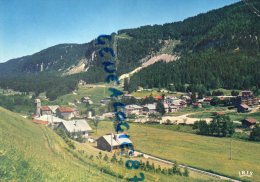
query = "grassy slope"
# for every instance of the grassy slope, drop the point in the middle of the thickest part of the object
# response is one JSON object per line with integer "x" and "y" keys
{"x": 200, "y": 151}
{"x": 30, "y": 152}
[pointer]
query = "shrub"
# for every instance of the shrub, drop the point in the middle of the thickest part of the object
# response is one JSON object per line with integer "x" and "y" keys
{"x": 255, "y": 133}
{"x": 105, "y": 158}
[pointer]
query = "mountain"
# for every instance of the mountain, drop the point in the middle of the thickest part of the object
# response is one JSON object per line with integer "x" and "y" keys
{"x": 219, "y": 48}
{"x": 57, "y": 58}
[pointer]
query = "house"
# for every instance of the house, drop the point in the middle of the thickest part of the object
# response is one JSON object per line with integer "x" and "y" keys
{"x": 149, "y": 108}
{"x": 45, "y": 110}
{"x": 76, "y": 101}
{"x": 105, "y": 101}
{"x": 127, "y": 96}
{"x": 86, "y": 100}
{"x": 173, "y": 108}
{"x": 179, "y": 103}
{"x": 247, "y": 98}
{"x": 170, "y": 100}
{"x": 243, "y": 108}
{"x": 76, "y": 128}
{"x": 48, "y": 119}
{"x": 133, "y": 109}
{"x": 186, "y": 98}
{"x": 207, "y": 100}
{"x": 158, "y": 97}
{"x": 249, "y": 122}
{"x": 65, "y": 112}
{"x": 246, "y": 93}
{"x": 183, "y": 103}
{"x": 166, "y": 107}
{"x": 53, "y": 109}
{"x": 196, "y": 105}
{"x": 81, "y": 82}
{"x": 112, "y": 142}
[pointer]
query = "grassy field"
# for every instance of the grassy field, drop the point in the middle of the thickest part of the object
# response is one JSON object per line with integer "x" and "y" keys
{"x": 155, "y": 92}
{"x": 30, "y": 152}
{"x": 225, "y": 91}
{"x": 95, "y": 94}
{"x": 240, "y": 116}
{"x": 145, "y": 93}
{"x": 208, "y": 153}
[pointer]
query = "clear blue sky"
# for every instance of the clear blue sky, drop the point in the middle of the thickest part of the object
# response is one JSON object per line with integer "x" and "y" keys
{"x": 28, "y": 26}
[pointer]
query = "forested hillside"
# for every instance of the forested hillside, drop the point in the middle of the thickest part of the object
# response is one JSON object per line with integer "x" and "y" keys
{"x": 219, "y": 48}
{"x": 56, "y": 58}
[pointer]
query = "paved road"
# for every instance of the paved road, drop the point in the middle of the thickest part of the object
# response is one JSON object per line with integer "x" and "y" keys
{"x": 191, "y": 168}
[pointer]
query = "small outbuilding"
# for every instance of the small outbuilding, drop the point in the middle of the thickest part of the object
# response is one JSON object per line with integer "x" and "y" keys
{"x": 112, "y": 142}
{"x": 249, "y": 122}
{"x": 243, "y": 108}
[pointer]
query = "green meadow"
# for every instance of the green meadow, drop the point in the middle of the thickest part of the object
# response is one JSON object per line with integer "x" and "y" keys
{"x": 209, "y": 153}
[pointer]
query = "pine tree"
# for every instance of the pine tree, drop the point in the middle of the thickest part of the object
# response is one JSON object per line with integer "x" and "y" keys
{"x": 186, "y": 172}
{"x": 147, "y": 165}
{"x": 158, "y": 170}
{"x": 126, "y": 84}
{"x": 121, "y": 162}
{"x": 114, "y": 159}
{"x": 100, "y": 155}
{"x": 105, "y": 158}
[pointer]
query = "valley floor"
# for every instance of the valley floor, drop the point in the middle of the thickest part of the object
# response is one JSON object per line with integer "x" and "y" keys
{"x": 208, "y": 153}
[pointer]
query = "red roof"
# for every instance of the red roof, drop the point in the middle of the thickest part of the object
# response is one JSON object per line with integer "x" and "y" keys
{"x": 220, "y": 113}
{"x": 45, "y": 108}
{"x": 244, "y": 106}
{"x": 158, "y": 97}
{"x": 251, "y": 120}
{"x": 222, "y": 98}
{"x": 65, "y": 109}
{"x": 183, "y": 102}
{"x": 196, "y": 104}
{"x": 40, "y": 122}
{"x": 207, "y": 99}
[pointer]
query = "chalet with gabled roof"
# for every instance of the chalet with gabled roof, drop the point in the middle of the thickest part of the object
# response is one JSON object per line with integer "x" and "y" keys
{"x": 243, "y": 108}
{"x": 65, "y": 112}
{"x": 112, "y": 141}
{"x": 249, "y": 122}
{"x": 45, "y": 110}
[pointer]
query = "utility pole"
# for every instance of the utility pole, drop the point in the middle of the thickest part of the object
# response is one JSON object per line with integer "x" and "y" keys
{"x": 111, "y": 142}
{"x": 230, "y": 150}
